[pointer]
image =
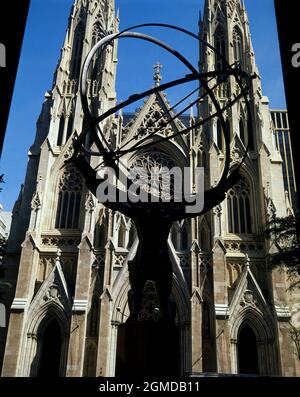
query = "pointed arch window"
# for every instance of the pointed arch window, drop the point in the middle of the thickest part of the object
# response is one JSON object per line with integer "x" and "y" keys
{"x": 242, "y": 130}
{"x": 122, "y": 235}
{"x": 70, "y": 126}
{"x": 101, "y": 229}
{"x": 102, "y": 235}
{"x": 239, "y": 208}
{"x": 246, "y": 131}
{"x": 61, "y": 130}
{"x": 220, "y": 46}
{"x": 237, "y": 45}
{"x": 219, "y": 135}
{"x": 204, "y": 238}
{"x": 77, "y": 51}
{"x": 228, "y": 128}
{"x": 203, "y": 160}
{"x": 86, "y": 129}
{"x": 69, "y": 199}
{"x": 132, "y": 235}
{"x": 174, "y": 234}
{"x": 250, "y": 134}
{"x": 184, "y": 237}
{"x": 174, "y": 237}
{"x": 97, "y": 35}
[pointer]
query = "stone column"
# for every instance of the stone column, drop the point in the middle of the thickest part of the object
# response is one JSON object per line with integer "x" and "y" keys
{"x": 234, "y": 354}
{"x": 105, "y": 307}
{"x": 221, "y": 308}
{"x": 104, "y": 344}
{"x": 35, "y": 214}
{"x": 196, "y": 310}
{"x": 286, "y": 358}
{"x": 113, "y": 348}
{"x": 218, "y": 220}
{"x": 29, "y": 354}
{"x": 23, "y": 295}
{"x": 80, "y": 305}
{"x": 287, "y": 365}
{"x": 185, "y": 347}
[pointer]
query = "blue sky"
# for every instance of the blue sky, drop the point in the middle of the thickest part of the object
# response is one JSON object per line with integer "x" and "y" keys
{"x": 44, "y": 37}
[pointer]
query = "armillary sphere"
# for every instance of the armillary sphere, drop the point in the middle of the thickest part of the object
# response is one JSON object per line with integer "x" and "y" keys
{"x": 154, "y": 219}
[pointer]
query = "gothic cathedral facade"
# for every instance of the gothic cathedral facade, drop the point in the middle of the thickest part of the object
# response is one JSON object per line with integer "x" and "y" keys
{"x": 68, "y": 255}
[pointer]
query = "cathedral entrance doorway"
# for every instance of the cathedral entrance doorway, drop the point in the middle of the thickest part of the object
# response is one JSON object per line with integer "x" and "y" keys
{"x": 247, "y": 351}
{"x": 51, "y": 343}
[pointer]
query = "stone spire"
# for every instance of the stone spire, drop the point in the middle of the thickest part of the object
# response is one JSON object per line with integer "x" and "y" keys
{"x": 89, "y": 21}
{"x": 227, "y": 21}
{"x": 225, "y": 26}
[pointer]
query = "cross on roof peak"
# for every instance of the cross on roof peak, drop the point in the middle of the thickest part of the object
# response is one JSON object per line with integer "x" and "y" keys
{"x": 157, "y": 75}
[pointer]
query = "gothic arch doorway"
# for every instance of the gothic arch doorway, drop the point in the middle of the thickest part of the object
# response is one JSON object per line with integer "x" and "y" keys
{"x": 247, "y": 351}
{"x": 180, "y": 335}
{"x": 51, "y": 351}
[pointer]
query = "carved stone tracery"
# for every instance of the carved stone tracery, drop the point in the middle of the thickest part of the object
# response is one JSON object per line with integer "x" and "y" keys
{"x": 153, "y": 167}
{"x": 154, "y": 122}
{"x": 71, "y": 180}
{"x": 36, "y": 202}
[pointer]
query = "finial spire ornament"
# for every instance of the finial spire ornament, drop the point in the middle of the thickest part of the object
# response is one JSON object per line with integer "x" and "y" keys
{"x": 157, "y": 75}
{"x": 247, "y": 260}
{"x": 192, "y": 112}
{"x": 58, "y": 256}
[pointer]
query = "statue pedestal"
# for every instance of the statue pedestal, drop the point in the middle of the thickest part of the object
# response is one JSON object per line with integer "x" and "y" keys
{"x": 147, "y": 348}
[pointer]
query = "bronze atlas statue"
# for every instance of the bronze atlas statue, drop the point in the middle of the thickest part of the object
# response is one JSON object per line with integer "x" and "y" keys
{"x": 150, "y": 272}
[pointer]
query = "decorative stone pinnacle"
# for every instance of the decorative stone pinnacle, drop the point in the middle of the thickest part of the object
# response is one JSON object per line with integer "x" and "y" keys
{"x": 192, "y": 112}
{"x": 247, "y": 260}
{"x": 58, "y": 255}
{"x": 157, "y": 75}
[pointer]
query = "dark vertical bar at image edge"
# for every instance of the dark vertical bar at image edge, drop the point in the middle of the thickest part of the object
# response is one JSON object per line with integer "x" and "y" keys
{"x": 13, "y": 19}
{"x": 289, "y": 34}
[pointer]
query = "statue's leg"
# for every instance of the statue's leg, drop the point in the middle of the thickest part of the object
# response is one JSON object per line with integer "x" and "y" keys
{"x": 164, "y": 282}
{"x": 137, "y": 282}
